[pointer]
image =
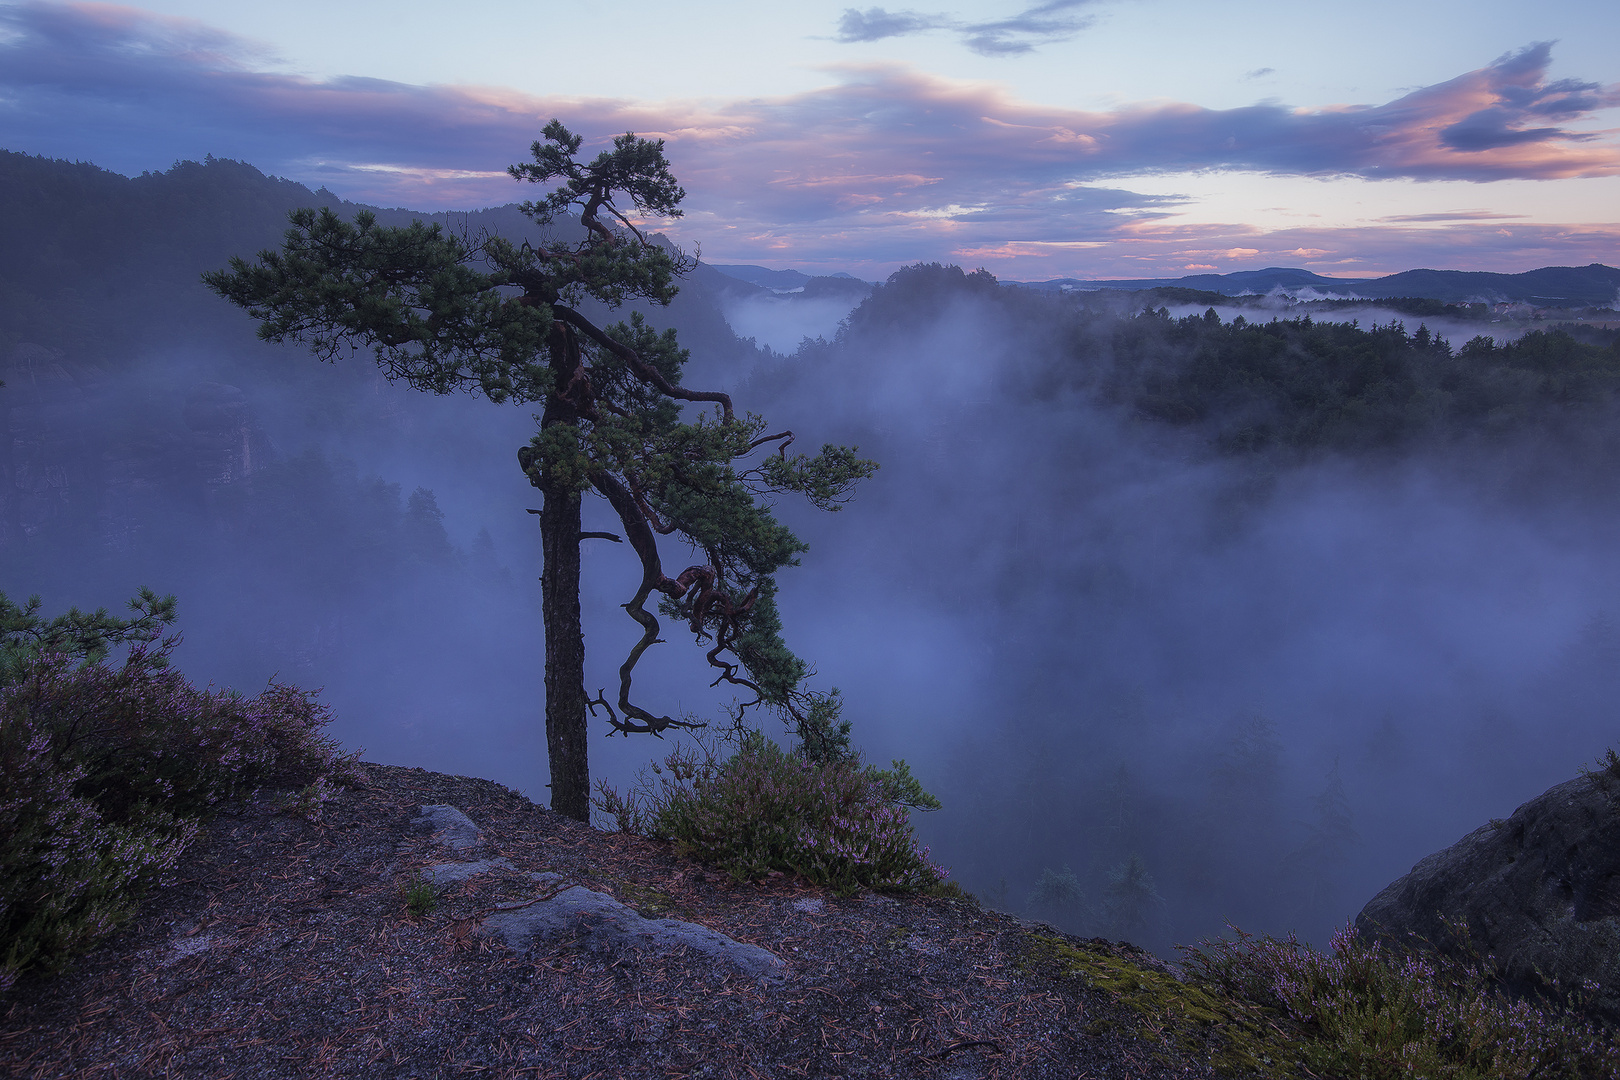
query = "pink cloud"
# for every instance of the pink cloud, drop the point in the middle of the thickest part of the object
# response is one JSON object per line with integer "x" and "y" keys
{"x": 883, "y": 165}
{"x": 1153, "y": 250}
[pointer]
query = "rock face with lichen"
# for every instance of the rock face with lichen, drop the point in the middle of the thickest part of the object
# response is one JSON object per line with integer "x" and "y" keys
{"x": 85, "y": 452}
{"x": 1539, "y": 892}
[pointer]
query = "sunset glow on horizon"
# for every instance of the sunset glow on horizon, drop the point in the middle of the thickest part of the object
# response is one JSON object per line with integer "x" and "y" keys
{"x": 881, "y": 138}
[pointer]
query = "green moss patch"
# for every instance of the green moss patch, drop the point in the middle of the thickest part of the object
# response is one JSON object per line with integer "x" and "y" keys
{"x": 1237, "y": 1038}
{"x": 648, "y": 902}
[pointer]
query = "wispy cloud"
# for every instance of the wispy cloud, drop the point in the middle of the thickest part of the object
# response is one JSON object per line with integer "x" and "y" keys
{"x": 1056, "y": 20}
{"x": 1453, "y": 215}
{"x": 883, "y": 165}
{"x": 875, "y": 24}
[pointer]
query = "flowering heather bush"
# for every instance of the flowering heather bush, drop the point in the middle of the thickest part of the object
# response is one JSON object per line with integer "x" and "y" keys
{"x": 836, "y": 822}
{"x": 103, "y": 773}
{"x": 1362, "y": 1011}
{"x": 66, "y": 875}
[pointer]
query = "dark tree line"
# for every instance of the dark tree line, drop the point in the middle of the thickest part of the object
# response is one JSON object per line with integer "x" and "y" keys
{"x": 1306, "y": 384}
{"x": 1299, "y": 384}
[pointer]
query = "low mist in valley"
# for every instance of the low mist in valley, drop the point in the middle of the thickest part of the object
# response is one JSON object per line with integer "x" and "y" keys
{"x": 781, "y": 322}
{"x": 1275, "y": 679}
{"x": 1175, "y": 648}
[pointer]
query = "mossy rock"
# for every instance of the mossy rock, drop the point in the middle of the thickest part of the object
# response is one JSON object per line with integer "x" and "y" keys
{"x": 648, "y": 902}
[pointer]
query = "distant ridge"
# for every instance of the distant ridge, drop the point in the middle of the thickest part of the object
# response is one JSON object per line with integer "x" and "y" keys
{"x": 1551, "y": 286}
{"x": 764, "y": 277}
{"x": 1596, "y": 285}
{"x": 1243, "y": 281}
{"x": 776, "y": 280}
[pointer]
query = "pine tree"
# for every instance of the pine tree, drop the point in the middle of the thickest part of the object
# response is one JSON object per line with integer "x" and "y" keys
{"x": 1331, "y": 836}
{"x": 85, "y": 637}
{"x": 1132, "y": 899}
{"x": 443, "y": 312}
{"x": 1057, "y": 896}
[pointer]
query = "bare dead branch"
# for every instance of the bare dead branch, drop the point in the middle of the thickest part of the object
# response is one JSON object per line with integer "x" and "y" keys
{"x": 785, "y": 436}
{"x": 601, "y": 699}
{"x": 614, "y": 210}
{"x": 658, "y": 524}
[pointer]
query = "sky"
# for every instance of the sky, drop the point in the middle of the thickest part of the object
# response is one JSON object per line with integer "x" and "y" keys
{"x": 1073, "y": 138}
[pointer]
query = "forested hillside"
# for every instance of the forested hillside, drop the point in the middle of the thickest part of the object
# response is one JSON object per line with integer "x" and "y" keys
{"x": 1311, "y": 385}
{"x": 1594, "y": 285}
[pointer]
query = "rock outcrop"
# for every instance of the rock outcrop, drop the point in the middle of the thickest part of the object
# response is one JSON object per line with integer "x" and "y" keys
{"x": 562, "y": 909}
{"x": 450, "y": 827}
{"x": 1539, "y": 892}
{"x": 86, "y": 452}
{"x": 573, "y": 912}
{"x": 228, "y": 444}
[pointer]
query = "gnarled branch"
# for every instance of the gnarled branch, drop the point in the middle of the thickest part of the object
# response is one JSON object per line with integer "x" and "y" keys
{"x": 785, "y": 436}
{"x": 644, "y": 371}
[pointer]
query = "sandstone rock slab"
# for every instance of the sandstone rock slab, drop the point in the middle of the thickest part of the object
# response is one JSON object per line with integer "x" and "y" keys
{"x": 1539, "y": 892}
{"x": 578, "y": 913}
{"x": 450, "y": 827}
{"x": 451, "y": 872}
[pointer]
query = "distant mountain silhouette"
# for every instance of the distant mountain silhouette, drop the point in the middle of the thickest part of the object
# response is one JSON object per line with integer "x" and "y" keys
{"x": 783, "y": 281}
{"x": 764, "y": 277}
{"x": 103, "y": 266}
{"x": 1551, "y": 286}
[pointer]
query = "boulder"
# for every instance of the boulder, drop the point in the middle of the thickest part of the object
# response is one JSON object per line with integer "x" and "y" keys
{"x": 1539, "y": 893}
{"x": 596, "y": 920}
{"x": 450, "y": 827}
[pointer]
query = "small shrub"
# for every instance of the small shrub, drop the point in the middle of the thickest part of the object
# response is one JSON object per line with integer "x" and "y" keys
{"x": 421, "y": 896}
{"x": 835, "y": 821}
{"x": 310, "y": 801}
{"x": 104, "y": 773}
{"x": 1238, "y": 1038}
{"x": 67, "y": 876}
{"x": 951, "y": 890}
{"x": 1360, "y": 1011}
{"x": 630, "y": 812}
{"x": 1608, "y": 766}
{"x": 144, "y": 734}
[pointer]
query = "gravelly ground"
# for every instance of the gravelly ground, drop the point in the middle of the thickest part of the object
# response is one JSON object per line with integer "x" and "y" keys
{"x": 282, "y": 947}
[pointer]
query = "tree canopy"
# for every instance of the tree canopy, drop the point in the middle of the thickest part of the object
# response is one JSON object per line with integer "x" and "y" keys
{"x": 80, "y": 636}
{"x": 503, "y": 318}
